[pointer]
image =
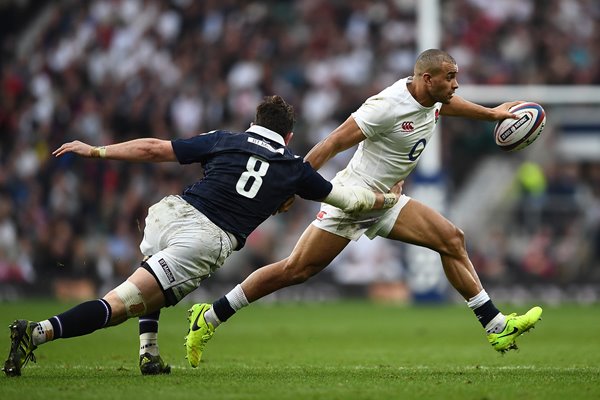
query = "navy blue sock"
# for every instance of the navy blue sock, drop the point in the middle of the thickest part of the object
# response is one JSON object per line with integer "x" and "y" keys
{"x": 149, "y": 322}
{"x": 223, "y": 309}
{"x": 82, "y": 319}
{"x": 149, "y": 333}
{"x": 486, "y": 312}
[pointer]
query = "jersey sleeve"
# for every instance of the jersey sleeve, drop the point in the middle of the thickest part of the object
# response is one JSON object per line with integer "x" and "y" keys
{"x": 195, "y": 149}
{"x": 312, "y": 186}
{"x": 375, "y": 117}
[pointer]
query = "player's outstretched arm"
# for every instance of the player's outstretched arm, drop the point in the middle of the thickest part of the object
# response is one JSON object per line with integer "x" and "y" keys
{"x": 459, "y": 107}
{"x": 342, "y": 138}
{"x": 148, "y": 149}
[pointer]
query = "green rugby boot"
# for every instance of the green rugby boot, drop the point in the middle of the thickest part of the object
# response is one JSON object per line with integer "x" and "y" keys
{"x": 153, "y": 365}
{"x": 515, "y": 326}
{"x": 21, "y": 347}
{"x": 199, "y": 333}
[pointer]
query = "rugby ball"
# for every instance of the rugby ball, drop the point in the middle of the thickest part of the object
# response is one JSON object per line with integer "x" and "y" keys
{"x": 516, "y": 134}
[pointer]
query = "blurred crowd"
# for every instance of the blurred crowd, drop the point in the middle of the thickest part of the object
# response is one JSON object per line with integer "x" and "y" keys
{"x": 106, "y": 71}
{"x": 552, "y": 233}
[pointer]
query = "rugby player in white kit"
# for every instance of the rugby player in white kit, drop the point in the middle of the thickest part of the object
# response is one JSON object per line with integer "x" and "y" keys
{"x": 392, "y": 128}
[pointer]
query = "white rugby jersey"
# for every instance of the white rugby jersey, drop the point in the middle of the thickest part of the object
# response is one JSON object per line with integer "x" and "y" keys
{"x": 397, "y": 128}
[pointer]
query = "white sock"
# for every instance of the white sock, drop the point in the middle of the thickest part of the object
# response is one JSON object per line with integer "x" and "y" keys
{"x": 211, "y": 317}
{"x": 237, "y": 298}
{"x": 149, "y": 343}
{"x": 497, "y": 324}
{"x": 227, "y": 306}
{"x": 478, "y": 300}
{"x": 43, "y": 332}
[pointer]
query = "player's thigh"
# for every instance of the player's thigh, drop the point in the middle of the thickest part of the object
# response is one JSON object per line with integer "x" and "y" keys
{"x": 422, "y": 225}
{"x": 316, "y": 249}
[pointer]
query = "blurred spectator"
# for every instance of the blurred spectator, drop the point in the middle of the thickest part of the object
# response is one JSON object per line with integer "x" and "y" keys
{"x": 369, "y": 261}
{"x": 532, "y": 187}
{"x": 492, "y": 257}
{"x": 537, "y": 262}
{"x": 562, "y": 195}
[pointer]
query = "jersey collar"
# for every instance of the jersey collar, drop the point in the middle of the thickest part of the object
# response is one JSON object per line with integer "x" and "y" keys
{"x": 266, "y": 133}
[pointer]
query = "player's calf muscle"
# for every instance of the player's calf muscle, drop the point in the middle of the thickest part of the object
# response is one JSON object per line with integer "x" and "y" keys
{"x": 118, "y": 314}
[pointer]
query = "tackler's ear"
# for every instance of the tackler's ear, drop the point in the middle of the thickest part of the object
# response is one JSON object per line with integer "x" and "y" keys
{"x": 287, "y": 138}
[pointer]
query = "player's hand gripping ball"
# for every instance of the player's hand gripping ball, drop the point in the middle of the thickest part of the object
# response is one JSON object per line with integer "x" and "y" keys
{"x": 516, "y": 134}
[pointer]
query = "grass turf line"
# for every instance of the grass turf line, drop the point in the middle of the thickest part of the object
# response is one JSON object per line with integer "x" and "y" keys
{"x": 348, "y": 350}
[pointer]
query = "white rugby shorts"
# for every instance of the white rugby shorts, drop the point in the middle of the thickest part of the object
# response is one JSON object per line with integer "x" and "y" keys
{"x": 184, "y": 246}
{"x": 353, "y": 226}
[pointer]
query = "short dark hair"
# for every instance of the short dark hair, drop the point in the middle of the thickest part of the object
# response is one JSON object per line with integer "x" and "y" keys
{"x": 275, "y": 114}
{"x": 431, "y": 61}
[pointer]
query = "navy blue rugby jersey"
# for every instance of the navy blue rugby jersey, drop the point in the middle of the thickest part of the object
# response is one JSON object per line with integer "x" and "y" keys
{"x": 246, "y": 177}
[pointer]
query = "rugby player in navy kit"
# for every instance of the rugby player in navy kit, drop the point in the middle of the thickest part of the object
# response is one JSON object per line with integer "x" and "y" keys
{"x": 247, "y": 176}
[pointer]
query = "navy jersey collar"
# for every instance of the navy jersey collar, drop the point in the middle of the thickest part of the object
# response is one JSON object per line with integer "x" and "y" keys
{"x": 266, "y": 133}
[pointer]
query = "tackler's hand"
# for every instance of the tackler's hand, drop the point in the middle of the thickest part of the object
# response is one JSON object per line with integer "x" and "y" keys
{"x": 397, "y": 188}
{"x": 285, "y": 206}
{"x": 77, "y": 147}
{"x": 389, "y": 199}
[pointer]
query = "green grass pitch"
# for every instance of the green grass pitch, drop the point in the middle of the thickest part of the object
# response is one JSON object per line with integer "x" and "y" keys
{"x": 346, "y": 350}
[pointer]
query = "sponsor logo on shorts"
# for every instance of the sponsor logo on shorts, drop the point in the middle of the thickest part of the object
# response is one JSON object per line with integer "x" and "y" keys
{"x": 167, "y": 270}
{"x": 321, "y": 215}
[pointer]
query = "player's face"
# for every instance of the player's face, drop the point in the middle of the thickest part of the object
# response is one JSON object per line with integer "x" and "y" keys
{"x": 444, "y": 83}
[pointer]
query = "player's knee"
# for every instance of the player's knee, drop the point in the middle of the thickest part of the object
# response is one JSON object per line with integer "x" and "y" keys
{"x": 297, "y": 273}
{"x": 454, "y": 242}
{"x": 130, "y": 296}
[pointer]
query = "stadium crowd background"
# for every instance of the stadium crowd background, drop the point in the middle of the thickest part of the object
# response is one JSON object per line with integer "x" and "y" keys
{"x": 106, "y": 71}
